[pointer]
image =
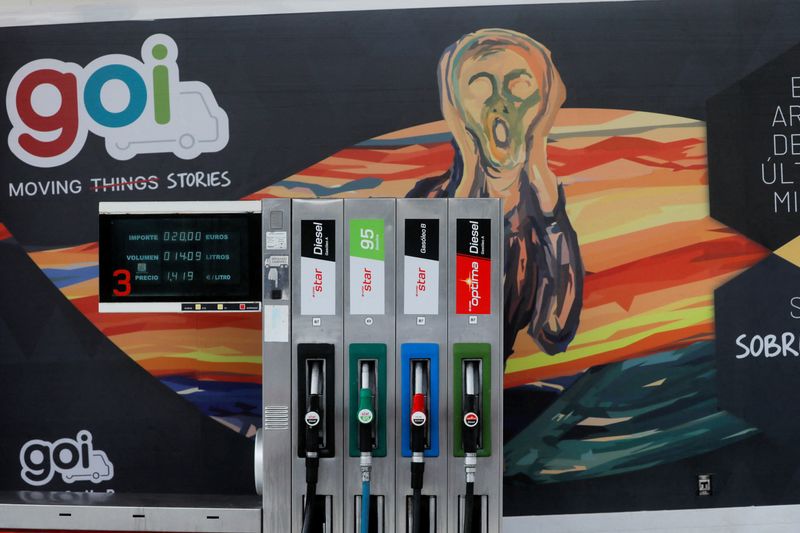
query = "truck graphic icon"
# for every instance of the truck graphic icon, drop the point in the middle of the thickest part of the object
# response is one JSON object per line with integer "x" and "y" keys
{"x": 100, "y": 469}
{"x": 198, "y": 125}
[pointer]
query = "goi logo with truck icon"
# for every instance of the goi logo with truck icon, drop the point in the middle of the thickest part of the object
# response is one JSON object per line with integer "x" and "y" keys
{"x": 75, "y": 459}
{"x": 138, "y": 107}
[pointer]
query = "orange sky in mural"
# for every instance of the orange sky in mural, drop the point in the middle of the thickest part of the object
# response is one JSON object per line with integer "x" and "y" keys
{"x": 636, "y": 187}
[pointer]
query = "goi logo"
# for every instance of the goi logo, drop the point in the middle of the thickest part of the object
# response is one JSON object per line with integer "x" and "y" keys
{"x": 138, "y": 107}
{"x": 75, "y": 459}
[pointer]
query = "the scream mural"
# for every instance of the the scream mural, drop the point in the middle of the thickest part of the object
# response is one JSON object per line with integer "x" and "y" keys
{"x": 500, "y": 94}
{"x": 647, "y": 321}
{"x": 612, "y": 260}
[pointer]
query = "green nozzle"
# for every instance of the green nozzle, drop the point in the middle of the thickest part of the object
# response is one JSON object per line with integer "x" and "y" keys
{"x": 366, "y": 410}
{"x": 367, "y": 398}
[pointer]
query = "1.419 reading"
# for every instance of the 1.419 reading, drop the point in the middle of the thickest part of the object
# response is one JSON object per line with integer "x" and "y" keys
{"x": 180, "y": 276}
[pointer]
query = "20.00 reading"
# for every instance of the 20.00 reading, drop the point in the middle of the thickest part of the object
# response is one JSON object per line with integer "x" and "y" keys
{"x": 183, "y": 236}
{"x": 193, "y": 236}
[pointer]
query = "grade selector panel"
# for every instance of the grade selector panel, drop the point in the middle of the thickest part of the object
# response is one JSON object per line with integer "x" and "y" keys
{"x": 382, "y": 366}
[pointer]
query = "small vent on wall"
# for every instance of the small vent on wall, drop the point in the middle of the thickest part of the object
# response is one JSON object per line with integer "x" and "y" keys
{"x": 276, "y": 417}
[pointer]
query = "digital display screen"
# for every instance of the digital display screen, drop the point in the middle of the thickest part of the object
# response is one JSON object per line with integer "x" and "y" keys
{"x": 180, "y": 258}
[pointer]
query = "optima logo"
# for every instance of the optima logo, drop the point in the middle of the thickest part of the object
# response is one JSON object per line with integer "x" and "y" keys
{"x": 474, "y": 286}
{"x": 75, "y": 459}
{"x": 137, "y": 106}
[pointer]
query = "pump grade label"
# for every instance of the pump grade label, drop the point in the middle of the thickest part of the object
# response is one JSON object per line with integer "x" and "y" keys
{"x": 473, "y": 266}
{"x": 318, "y": 267}
{"x": 367, "y": 271}
{"x": 421, "y": 267}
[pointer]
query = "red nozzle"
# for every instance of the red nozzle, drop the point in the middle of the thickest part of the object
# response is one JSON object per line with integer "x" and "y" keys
{"x": 417, "y": 409}
{"x": 418, "y": 403}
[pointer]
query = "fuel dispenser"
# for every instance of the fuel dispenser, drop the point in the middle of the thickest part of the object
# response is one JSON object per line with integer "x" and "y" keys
{"x": 475, "y": 365}
{"x": 394, "y": 318}
{"x": 317, "y": 381}
{"x": 369, "y": 372}
{"x": 382, "y": 354}
{"x": 421, "y": 303}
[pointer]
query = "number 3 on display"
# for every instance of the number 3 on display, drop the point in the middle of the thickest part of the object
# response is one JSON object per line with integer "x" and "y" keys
{"x": 123, "y": 278}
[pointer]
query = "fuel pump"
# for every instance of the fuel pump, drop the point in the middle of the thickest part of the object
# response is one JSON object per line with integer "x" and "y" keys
{"x": 317, "y": 367}
{"x": 471, "y": 420}
{"x": 419, "y": 422}
{"x": 312, "y": 418}
{"x": 369, "y": 372}
{"x": 475, "y": 328}
{"x": 366, "y": 420}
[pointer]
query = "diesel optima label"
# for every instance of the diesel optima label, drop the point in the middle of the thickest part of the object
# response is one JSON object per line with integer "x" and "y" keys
{"x": 421, "y": 267}
{"x": 367, "y": 273}
{"x": 317, "y": 267}
{"x": 473, "y": 266}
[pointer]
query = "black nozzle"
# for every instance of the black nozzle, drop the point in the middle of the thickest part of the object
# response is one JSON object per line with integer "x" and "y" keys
{"x": 313, "y": 420}
{"x": 417, "y": 474}
{"x": 471, "y": 420}
{"x": 471, "y": 407}
{"x": 417, "y": 439}
{"x": 365, "y": 440}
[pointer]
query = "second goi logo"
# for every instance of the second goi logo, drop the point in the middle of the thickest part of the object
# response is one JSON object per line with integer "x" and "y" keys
{"x": 75, "y": 459}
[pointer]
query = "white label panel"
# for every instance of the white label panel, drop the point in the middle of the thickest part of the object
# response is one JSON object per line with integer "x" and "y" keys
{"x": 276, "y": 240}
{"x": 420, "y": 286}
{"x": 318, "y": 287}
{"x": 367, "y": 286}
{"x": 276, "y": 323}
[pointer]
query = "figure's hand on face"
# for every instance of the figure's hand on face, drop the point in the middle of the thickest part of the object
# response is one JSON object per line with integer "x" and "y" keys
{"x": 498, "y": 97}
